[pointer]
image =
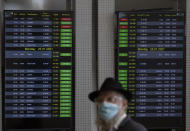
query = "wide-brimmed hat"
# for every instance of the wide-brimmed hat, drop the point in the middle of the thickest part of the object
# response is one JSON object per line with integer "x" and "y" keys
{"x": 113, "y": 85}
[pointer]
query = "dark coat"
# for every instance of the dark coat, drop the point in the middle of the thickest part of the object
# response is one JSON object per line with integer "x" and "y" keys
{"x": 128, "y": 124}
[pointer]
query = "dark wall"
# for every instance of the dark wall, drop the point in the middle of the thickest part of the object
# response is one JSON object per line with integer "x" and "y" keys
{"x": 126, "y": 5}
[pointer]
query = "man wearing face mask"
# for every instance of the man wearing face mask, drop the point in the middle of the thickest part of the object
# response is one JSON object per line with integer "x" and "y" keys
{"x": 112, "y": 101}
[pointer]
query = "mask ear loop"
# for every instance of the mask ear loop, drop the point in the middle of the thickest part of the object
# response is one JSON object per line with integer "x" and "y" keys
{"x": 123, "y": 98}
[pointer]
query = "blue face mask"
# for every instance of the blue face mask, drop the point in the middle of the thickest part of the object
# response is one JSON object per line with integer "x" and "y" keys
{"x": 107, "y": 111}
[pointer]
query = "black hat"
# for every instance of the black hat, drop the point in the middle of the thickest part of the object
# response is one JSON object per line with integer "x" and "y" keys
{"x": 111, "y": 84}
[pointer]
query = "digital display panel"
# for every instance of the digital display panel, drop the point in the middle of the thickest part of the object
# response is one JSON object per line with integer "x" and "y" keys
{"x": 38, "y": 70}
{"x": 150, "y": 62}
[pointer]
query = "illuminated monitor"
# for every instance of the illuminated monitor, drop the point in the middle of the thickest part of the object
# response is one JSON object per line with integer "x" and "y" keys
{"x": 150, "y": 62}
{"x": 38, "y": 70}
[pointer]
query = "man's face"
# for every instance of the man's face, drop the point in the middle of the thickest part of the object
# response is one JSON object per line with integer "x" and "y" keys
{"x": 112, "y": 97}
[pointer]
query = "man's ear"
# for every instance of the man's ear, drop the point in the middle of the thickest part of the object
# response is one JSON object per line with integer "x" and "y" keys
{"x": 125, "y": 103}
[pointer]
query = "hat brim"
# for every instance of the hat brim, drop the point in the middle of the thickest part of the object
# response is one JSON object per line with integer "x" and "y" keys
{"x": 93, "y": 95}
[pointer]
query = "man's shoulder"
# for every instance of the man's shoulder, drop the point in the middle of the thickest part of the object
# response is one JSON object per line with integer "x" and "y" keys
{"x": 136, "y": 126}
{"x": 131, "y": 125}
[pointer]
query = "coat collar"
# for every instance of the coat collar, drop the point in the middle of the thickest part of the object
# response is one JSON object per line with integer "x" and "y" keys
{"x": 120, "y": 120}
{"x": 123, "y": 123}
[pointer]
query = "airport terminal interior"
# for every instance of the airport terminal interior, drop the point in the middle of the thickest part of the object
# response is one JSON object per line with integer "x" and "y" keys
{"x": 55, "y": 52}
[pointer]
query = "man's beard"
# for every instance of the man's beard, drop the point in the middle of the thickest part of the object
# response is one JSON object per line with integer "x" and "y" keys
{"x": 107, "y": 124}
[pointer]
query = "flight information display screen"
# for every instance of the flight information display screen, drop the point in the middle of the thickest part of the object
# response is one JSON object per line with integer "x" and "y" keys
{"x": 150, "y": 62}
{"x": 38, "y": 70}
